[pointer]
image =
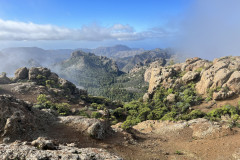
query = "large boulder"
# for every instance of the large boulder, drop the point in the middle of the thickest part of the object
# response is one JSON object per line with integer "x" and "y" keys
{"x": 21, "y": 73}
{"x": 97, "y": 129}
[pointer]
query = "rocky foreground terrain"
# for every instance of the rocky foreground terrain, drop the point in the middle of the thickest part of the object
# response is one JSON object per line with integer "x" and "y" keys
{"x": 196, "y": 128}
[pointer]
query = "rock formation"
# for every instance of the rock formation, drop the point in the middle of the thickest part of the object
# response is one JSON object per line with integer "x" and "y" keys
{"x": 19, "y": 120}
{"x": 42, "y": 148}
{"x": 222, "y": 76}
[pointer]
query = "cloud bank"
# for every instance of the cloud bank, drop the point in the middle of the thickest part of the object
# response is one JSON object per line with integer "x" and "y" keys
{"x": 21, "y": 31}
{"x": 211, "y": 29}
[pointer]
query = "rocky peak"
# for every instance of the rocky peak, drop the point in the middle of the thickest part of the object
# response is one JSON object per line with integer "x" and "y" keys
{"x": 222, "y": 76}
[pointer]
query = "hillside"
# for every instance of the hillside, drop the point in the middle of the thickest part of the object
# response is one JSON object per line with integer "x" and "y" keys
{"x": 101, "y": 77}
{"x": 131, "y": 86}
{"x": 145, "y": 58}
{"x": 88, "y": 71}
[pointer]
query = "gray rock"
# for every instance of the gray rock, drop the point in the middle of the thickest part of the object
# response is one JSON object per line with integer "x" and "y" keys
{"x": 20, "y": 121}
{"x": 22, "y": 151}
{"x": 21, "y": 73}
{"x": 190, "y": 76}
{"x": 221, "y": 95}
{"x": 44, "y": 144}
{"x": 234, "y": 82}
{"x": 97, "y": 129}
{"x": 171, "y": 98}
{"x": 4, "y": 79}
{"x": 34, "y": 72}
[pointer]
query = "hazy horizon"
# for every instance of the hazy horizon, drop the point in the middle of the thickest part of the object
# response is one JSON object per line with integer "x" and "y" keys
{"x": 198, "y": 28}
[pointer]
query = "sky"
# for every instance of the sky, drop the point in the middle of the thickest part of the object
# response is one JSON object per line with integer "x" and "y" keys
{"x": 89, "y": 23}
{"x": 203, "y": 28}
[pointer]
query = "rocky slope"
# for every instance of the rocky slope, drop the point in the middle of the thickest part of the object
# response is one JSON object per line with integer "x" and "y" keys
{"x": 22, "y": 122}
{"x": 216, "y": 80}
{"x": 25, "y": 121}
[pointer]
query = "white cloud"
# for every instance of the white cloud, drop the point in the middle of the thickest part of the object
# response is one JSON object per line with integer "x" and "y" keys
{"x": 212, "y": 29}
{"x": 19, "y": 31}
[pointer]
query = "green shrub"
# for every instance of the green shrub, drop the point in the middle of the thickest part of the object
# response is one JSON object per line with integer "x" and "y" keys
{"x": 63, "y": 108}
{"x": 225, "y": 110}
{"x": 113, "y": 120}
{"x": 170, "y": 116}
{"x": 119, "y": 112}
{"x": 42, "y": 98}
{"x": 41, "y": 79}
{"x": 192, "y": 115}
{"x": 84, "y": 114}
{"x": 96, "y": 115}
{"x": 178, "y": 152}
{"x": 129, "y": 123}
{"x": 51, "y": 84}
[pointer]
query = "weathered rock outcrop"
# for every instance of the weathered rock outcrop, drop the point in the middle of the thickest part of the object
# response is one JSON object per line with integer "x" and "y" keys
{"x": 4, "y": 79}
{"x": 45, "y": 149}
{"x": 44, "y": 76}
{"x": 20, "y": 121}
{"x": 95, "y": 128}
{"x": 222, "y": 76}
{"x": 21, "y": 73}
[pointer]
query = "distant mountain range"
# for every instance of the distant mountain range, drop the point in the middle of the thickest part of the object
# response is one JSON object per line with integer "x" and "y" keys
{"x": 117, "y": 51}
{"x": 127, "y": 63}
{"x": 13, "y": 58}
{"x": 93, "y": 69}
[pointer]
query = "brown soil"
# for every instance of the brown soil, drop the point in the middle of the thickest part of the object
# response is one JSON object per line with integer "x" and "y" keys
{"x": 152, "y": 146}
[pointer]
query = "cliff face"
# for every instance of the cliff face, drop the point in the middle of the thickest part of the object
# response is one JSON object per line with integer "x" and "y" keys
{"x": 221, "y": 77}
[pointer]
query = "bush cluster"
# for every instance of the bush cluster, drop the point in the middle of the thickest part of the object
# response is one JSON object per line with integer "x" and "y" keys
{"x": 225, "y": 110}
{"x": 159, "y": 108}
{"x": 44, "y": 102}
